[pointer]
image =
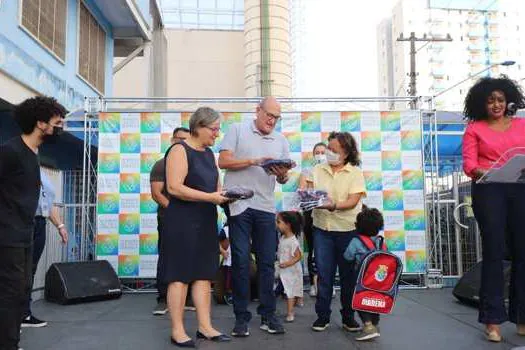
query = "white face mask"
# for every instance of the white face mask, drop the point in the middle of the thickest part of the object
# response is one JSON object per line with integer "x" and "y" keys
{"x": 333, "y": 158}
{"x": 319, "y": 159}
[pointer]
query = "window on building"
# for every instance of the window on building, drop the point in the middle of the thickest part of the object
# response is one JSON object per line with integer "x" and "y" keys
{"x": 46, "y": 21}
{"x": 92, "y": 49}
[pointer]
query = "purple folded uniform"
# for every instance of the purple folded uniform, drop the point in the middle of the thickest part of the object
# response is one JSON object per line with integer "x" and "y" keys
{"x": 267, "y": 164}
{"x": 238, "y": 193}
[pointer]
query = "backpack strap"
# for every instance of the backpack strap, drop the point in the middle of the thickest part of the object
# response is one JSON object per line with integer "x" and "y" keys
{"x": 367, "y": 242}
{"x": 370, "y": 245}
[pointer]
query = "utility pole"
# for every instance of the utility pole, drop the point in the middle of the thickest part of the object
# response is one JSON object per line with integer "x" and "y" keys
{"x": 412, "y": 91}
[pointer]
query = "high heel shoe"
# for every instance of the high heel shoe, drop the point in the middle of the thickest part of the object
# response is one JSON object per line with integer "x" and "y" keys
{"x": 185, "y": 344}
{"x": 493, "y": 335}
{"x": 221, "y": 338}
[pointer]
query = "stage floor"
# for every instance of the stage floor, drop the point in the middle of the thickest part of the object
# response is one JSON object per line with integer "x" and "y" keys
{"x": 422, "y": 319}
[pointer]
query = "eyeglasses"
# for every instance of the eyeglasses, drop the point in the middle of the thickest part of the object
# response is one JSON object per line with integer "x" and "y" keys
{"x": 271, "y": 115}
{"x": 213, "y": 130}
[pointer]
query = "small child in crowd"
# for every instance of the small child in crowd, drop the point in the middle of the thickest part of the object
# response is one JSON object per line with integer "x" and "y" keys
{"x": 289, "y": 224}
{"x": 226, "y": 266}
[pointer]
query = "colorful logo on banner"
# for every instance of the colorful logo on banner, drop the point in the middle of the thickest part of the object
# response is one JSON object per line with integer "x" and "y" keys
{"x": 415, "y": 260}
{"x": 130, "y": 183}
{"x": 109, "y": 163}
{"x": 390, "y": 121}
{"x": 147, "y": 204}
{"x": 370, "y": 141}
{"x": 391, "y": 160}
{"x": 108, "y": 203}
{"x": 350, "y": 121}
{"x": 130, "y": 143}
{"x": 109, "y": 123}
{"x": 388, "y": 143}
{"x": 414, "y": 220}
{"x": 129, "y": 224}
{"x": 128, "y": 265}
{"x": 395, "y": 240}
{"x": 147, "y": 161}
{"x": 373, "y": 180}
{"x": 148, "y": 244}
{"x": 107, "y": 244}
{"x": 165, "y": 142}
{"x": 150, "y": 123}
{"x": 311, "y": 122}
{"x": 413, "y": 180}
{"x": 393, "y": 200}
{"x": 411, "y": 140}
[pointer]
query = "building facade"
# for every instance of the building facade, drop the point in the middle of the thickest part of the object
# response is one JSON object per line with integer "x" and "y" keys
{"x": 484, "y": 33}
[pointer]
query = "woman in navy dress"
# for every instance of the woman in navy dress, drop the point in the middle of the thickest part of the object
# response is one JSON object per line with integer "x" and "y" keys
{"x": 190, "y": 244}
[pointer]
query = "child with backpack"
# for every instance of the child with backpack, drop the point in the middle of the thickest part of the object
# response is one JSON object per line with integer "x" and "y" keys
{"x": 368, "y": 224}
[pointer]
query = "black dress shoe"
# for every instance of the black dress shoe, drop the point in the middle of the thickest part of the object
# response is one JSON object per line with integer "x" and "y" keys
{"x": 186, "y": 344}
{"x": 218, "y": 338}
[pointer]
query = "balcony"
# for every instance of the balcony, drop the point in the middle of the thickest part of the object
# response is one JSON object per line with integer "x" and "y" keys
{"x": 477, "y": 46}
{"x": 475, "y": 19}
{"x": 437, "y": 72}
{"x": 473, "y": 60}
{"x": 476, "y": 33}
{"x": 494, "y": 33}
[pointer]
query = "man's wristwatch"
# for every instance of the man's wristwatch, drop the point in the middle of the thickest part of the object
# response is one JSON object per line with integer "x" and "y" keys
{"x": 60, "y": 226}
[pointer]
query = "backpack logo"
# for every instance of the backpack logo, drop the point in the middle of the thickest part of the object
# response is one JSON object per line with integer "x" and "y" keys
{"x": 381, "y": 273}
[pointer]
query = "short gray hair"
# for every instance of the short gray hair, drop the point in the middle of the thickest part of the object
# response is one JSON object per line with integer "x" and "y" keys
{"x": 203, "y": 117}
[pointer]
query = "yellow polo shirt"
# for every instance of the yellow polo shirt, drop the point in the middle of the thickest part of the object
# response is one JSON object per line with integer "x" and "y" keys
{"x": 349, "y": 180}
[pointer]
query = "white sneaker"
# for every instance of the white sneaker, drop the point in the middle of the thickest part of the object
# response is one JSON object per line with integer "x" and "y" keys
{"x": 313, "y": 291}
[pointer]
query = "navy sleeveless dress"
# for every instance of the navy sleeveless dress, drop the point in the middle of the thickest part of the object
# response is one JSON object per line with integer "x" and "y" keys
{"x": 190, "y": 244}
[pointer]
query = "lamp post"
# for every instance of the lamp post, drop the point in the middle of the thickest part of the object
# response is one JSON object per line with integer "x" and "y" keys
{"x": 504, "y": 63}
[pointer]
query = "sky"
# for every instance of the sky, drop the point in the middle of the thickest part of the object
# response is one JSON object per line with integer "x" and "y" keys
{"x": 341, "y": 50}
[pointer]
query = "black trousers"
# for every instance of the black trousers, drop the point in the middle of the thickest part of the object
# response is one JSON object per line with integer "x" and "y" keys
{"x": 499, "y": 208}
{"x": 15, "y": 286}
{"x": 39, "y": 242}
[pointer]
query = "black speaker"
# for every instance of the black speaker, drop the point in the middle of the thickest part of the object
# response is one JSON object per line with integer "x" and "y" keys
{"x": 78, "y": 282}
{"x": 467, "y": 288}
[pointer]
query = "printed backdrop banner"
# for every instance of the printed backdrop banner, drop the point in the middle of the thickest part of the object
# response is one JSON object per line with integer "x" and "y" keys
{"x": 130, "y": 143}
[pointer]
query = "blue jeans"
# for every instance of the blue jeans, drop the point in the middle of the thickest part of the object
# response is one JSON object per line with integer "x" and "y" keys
{"x": 498, "y": 208}
{"x": 329, "y": 248}
{"x": 39, "y": 242}
{"x": 257, "y": 227}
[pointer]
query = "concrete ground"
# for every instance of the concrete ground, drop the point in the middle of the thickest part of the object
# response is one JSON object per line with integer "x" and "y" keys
{"x": 422, "y": 319}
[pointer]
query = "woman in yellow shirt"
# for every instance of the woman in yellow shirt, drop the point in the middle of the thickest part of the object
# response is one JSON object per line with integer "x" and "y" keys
{"x": 334, "y": 226}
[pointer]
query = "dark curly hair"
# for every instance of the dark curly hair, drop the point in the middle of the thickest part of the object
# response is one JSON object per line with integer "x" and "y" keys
{"x": 294, "y": 219}
{"x": 349, "y": 144}
{"x": 476, "y": 99}
{"x": 369, "y": 222}
{"x": 40, "y": 108}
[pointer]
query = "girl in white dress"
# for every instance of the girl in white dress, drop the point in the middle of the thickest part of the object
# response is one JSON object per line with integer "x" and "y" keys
{"x": 289, "y": 224}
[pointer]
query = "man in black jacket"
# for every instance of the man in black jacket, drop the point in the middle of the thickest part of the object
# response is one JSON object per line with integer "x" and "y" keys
{"x": 40, "y": 120}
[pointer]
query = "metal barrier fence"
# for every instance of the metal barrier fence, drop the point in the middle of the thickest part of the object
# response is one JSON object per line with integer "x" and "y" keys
{"x": 452, "y": 249}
